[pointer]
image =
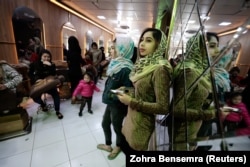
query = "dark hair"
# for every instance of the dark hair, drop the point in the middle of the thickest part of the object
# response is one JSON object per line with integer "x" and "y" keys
{"x": 134, "y": 57}
{"x": 89, "y": 74}
{"x": 101, "y": 48}
{"x": 45, "y": 51}
{"x": 74, "y": 45}
{"x": 235, "y": 94}
{"x": 93, "y": 44}
{"x": 156, "y": 34}
{"x": 237, "y": 69}
{"x": 210, "y": 35}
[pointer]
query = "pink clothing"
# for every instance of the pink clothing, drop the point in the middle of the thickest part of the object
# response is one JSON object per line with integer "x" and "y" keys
{"x": 242, "y": 116}
{"x": 85, "y": 89}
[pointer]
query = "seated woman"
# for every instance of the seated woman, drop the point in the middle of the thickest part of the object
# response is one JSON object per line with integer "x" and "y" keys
{"x": 9, "y": 79}
{"x": 40, "y": 70}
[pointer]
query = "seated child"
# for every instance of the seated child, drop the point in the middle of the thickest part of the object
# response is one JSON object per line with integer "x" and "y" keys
{"x": 236, "y": 120}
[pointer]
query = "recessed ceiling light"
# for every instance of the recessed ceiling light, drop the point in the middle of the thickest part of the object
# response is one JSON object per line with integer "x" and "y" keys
{"x": 191, "y": 21}
{"x": 101, "y": 17}
{"x": 225, "y": 23}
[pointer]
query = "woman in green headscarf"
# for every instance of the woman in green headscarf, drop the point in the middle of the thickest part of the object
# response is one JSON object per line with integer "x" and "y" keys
{"x": 188, "y": 110}
{"x": 151, "y": 78}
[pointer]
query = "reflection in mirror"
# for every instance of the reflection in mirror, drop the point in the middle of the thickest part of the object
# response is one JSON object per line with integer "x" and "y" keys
{"x": 89, "y": 39}
{"x": 28, "y": 32}
{"x": 67, "y": 30}
{"x": 101, "y": 42}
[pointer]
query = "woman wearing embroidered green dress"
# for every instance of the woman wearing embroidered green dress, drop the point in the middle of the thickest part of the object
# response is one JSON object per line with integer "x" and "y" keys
{"x": 188, "y": 109}
{"x": 151, "y": 79}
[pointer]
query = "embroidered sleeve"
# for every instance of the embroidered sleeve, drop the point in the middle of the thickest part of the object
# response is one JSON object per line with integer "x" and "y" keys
{"x": 12, "y": 77}
{"x": 190, "y": 106}
{"x": 160, "y": 85}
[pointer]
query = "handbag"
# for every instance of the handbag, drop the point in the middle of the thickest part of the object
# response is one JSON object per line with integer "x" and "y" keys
{"x": 137, "y": 129}
{"x": 44, "y": 85}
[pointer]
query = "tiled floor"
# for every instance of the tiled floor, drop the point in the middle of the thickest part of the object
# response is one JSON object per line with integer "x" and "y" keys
{"x": 70, "y": 142}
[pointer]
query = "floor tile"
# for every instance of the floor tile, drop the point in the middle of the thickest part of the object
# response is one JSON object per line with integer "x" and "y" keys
{"x": 91, "y": 159}
{"x": 16, "y": 145}
{"x": 22, "y": 160}
{"x": 81, "y": 144}
{"x": 50, "y": 155}
{"x": 48, "y": 136}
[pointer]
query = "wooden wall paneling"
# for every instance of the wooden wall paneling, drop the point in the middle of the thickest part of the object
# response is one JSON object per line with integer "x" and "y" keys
{"x": 7, "y": 40}
{"x": 53, "y": 18}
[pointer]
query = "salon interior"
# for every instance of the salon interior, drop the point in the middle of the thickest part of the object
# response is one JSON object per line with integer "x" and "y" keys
{"x": 45, "y": 141}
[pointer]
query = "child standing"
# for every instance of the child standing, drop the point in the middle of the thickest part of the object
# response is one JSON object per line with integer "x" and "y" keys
{"x": 238, "y": 123}
{"x": 86, "y": 89}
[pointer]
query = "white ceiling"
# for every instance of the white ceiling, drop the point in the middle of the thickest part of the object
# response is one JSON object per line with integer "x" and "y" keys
{"x": 144, "y": 13}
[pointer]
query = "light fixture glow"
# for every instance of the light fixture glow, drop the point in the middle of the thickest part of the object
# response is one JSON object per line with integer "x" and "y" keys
{"x": 81, "y": 16}
{"x": 101, "y": 17}
{"x": 191, "y": 21}
{"x": 69, "y": 28}
{"x": 225, "y": 23}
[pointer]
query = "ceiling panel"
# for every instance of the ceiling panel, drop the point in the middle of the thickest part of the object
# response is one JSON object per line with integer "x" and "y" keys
{"x": 144, "y": 13}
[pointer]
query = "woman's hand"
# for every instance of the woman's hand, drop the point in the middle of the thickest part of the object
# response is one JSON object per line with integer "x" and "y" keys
{"x": 223, "y": 113}
{"x": 47, "y": 63}
{"x": 124, "y": 98}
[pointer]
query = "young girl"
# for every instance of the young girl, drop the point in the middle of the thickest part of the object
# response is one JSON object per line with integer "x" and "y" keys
{"x": 86, "y": 88}
{"x": 238, "y": 122}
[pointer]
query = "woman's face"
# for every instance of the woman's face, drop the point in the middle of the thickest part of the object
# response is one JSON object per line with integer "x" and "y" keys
{"x": 213, "y": 47}
{"x": 113, "y": 52}
{"x": 45, "y": 57}
{"x": 147, "y": 44}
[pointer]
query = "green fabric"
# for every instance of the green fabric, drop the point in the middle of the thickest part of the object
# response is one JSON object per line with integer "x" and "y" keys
{"x": 195, "y": 59}
{"x": 148, "y": 64}
{"x": 189, "y": 107}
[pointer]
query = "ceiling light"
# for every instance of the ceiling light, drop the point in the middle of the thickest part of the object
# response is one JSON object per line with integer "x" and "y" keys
{"x": 191, "y": 21}
{"x": 239, "y": 29}
{"x": 224, "y": 23}
{"x": 101, "y": 17}
{"x": 236, "y": 36}
{"x": 205, "y": 17}
{"x": 244, "y": 32}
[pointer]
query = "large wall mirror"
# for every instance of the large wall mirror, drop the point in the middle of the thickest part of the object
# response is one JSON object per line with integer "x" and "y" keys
{"x": 101, "y": 42}
{"x": 68, "y": 30}
{"x": 89, "y": 40}
{"x": 27, "y": 25}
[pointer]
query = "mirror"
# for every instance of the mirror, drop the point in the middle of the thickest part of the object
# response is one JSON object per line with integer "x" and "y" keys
{"x": 89, "y": 40}
{"x": 101, "y": 42}
{"x": 26, "y": 25}
{"x": 67, "y": 30}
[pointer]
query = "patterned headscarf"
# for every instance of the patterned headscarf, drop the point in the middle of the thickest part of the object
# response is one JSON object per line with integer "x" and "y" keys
{"x": 149, "y": 63}
{"x": 221, "y": 75}
{"x": 125, "y": 51}
{"x": 196, "y": 59}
